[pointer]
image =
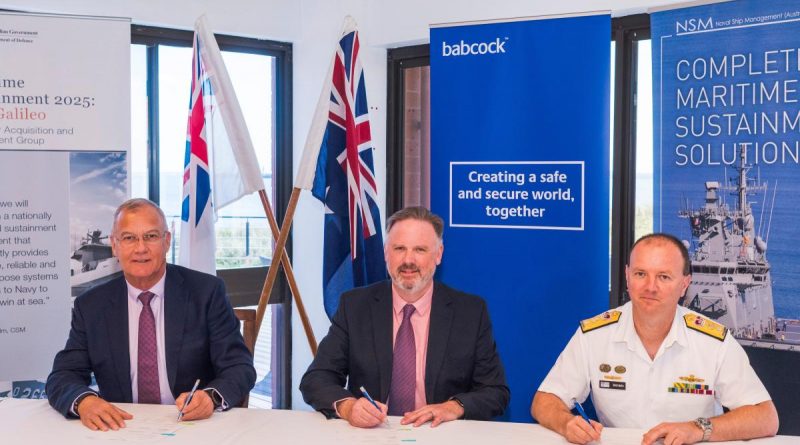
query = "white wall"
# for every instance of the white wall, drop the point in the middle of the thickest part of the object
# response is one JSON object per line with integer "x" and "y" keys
{"x": 313, "y": 26}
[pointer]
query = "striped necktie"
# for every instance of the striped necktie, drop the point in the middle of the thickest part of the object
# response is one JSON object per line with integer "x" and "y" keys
{"x": 404, "y": 367}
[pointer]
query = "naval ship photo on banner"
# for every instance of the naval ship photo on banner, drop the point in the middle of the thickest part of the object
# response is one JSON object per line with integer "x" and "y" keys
{"x": 727, "y": 161}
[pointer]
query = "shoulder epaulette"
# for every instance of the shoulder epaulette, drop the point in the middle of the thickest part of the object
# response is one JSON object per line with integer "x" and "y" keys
{"x": 598, "y": 321}
{"x": 706, "y": 326}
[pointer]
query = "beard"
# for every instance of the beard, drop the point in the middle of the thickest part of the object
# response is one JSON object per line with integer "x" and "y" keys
{"x": 413, "y": 284}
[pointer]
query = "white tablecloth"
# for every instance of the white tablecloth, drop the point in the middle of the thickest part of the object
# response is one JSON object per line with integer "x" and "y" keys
{"x": 34, "y": 422}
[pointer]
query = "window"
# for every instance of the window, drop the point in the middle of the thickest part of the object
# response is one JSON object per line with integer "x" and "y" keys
{"x": 630, "y": 130}
{"x": 408, "y": 138}
{"x": 261, "y": 75}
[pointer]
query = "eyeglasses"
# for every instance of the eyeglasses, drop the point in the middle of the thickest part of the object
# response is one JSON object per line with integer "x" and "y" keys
{"x": 130, "y": 240}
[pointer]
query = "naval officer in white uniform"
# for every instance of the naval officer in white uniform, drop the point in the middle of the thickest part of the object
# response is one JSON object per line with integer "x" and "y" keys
{"x": 653, "y": 365}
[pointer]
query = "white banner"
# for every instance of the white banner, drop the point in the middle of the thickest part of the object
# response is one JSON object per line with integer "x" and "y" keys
{"x": 64, "y": 142}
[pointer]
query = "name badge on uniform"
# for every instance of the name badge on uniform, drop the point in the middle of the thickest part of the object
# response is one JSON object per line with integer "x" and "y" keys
{"x": 607, "y": 384}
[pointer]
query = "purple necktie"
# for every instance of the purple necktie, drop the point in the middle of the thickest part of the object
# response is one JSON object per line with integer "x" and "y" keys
{"x": 404, "y": 367}
{"x": 147, "y": 373}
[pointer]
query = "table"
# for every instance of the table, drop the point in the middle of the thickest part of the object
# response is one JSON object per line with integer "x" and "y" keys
{"x": 34, "y": 422}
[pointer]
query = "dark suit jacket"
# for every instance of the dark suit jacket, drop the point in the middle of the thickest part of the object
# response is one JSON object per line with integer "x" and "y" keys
{"x": 462, "y": 360}
{"x": 202, "y": 341}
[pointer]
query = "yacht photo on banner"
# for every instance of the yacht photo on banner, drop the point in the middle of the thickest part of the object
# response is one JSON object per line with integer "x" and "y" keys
{"x": 64, "y": 142}
{"x": 520, "y": 173}
{"x": 727, "y": 152}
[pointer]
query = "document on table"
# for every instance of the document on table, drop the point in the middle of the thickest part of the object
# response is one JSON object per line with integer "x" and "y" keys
{"x": 623, "y": 436}
{"x": 143, "y": 428}
{"x": 390, "y": 433}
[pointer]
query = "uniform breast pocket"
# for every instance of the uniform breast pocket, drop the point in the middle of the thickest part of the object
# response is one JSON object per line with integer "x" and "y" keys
{"x": 613, "y": 399}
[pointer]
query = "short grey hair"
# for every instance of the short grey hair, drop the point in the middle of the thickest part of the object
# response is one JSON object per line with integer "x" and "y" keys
{"x": 135, "y": 204}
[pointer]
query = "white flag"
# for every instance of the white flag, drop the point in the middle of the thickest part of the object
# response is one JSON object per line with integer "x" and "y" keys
{"x": 220, "y": 164}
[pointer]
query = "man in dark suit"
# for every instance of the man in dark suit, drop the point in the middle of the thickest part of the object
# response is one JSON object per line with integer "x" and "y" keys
{"x": 424, "y": 348}
{"x": 147, "y": 336}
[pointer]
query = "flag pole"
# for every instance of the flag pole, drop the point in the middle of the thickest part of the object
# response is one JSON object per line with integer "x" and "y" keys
{"x": 287, "y": 266}
{"x": 240, "y": 150}
{"x": 272, "y": 273}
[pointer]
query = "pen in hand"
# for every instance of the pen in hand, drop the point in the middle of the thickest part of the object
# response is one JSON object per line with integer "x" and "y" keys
{"x": 582, "y": 412}
{"x": 372, "y": 401}
{"x": 188, "y": 399}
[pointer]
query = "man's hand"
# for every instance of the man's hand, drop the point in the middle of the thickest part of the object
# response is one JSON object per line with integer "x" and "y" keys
{"x": 675, "y": 433}
{"x": 97, "y": 414}
{"x": 200, "y": 407}
{"x": 436, "y": 414}
{"x": 360, "y": 412}
{"x": 576, "y": 430}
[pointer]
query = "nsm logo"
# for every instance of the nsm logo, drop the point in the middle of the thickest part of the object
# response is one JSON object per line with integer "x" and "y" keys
{"x": 467, "y": 49}
{"x": 692, "y": 25}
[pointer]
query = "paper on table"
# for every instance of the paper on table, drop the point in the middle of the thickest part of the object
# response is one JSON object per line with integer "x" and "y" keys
{"x": 391, "y": 432}
{"x": 143, "y": 428}
{"x": 623, "y": 436}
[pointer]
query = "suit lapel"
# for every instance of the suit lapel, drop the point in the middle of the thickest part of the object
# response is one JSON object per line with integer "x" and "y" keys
{"x": 381, "y": 308}
{"x": 176, "y": 299}
{"x": 116, "y": 315}
{"x": 438, "y": 336}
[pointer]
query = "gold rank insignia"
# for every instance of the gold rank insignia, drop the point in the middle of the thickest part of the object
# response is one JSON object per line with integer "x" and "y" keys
{"x": 604, "y": 319}
{"x": 691, "y": 379}
{"x": 706, "y": 326}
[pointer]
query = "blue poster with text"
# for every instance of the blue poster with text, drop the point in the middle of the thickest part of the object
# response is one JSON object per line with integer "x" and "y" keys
{"x": 726, "y": 89}
{"x": 520, "y": 174}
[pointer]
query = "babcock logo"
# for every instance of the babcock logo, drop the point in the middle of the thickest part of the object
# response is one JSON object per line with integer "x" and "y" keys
{"x": 463, "y": 48}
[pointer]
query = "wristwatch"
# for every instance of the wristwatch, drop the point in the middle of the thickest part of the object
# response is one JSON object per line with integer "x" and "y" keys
{"x": 704, "y": 424}
{"x": 80, "y": 399}
{"x": 215, "y": 397}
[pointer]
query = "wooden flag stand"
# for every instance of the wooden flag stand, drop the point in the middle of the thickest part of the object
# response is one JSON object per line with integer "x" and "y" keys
{"x": 282, "y": 259}
{"x": 244, "y": 154}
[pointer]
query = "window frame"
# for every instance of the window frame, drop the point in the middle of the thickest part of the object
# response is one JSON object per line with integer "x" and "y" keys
{"x": 626, "y": 32}
{"x": 152, "y": 37}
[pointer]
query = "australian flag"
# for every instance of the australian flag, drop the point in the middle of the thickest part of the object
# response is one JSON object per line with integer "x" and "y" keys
{"x": 344, "y": 181}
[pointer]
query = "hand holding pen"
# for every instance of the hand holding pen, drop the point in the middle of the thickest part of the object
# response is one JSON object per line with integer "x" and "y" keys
{"x": 364, "y": 412}
{"x": 373, "y": 402}
{"x": 187, "y": 400}
{"x": 581, "y": 429}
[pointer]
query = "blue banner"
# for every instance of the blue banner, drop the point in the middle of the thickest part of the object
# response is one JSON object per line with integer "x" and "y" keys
{"x": 727, "y": 152}
{"x": 520, "y": 172}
